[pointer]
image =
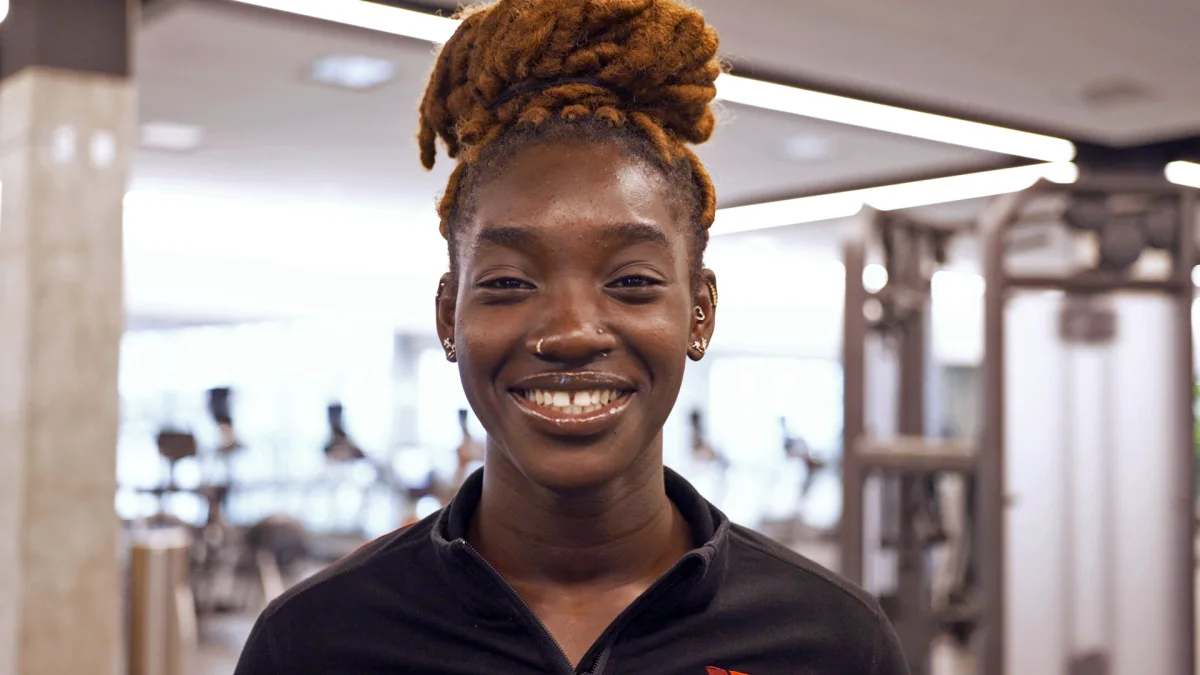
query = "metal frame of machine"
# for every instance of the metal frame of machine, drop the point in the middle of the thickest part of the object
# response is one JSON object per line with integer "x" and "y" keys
{"x": 915, "y": 248}
{"x": 1004, "y": 215}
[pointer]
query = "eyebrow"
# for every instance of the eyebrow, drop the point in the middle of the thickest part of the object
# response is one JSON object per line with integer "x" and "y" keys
{"x": 636, "y": 233}
{"x": 505, "y": 236}
{"x": 508, "y": 236}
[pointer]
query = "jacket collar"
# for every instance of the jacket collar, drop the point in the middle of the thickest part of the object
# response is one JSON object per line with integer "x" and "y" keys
{"x": 699, "y": 574}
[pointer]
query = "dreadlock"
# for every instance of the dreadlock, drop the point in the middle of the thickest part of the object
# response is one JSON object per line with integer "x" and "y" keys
{"x": 639, "y": 73}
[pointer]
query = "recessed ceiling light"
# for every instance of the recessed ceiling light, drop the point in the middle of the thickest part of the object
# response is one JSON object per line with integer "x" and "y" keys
{"x": 805, "y": 148}
{"x": 171, "y": 136}
{"x": 351, "y": 71}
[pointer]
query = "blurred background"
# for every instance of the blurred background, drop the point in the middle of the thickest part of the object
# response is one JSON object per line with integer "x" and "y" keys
{"x": 954, "y": 359}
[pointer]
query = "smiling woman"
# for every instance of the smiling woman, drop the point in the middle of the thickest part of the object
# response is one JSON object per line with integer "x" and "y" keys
{"x": 576, "y": 220}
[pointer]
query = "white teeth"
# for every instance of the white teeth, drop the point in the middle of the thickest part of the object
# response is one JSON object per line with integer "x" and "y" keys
{"x": 572, "y": 403}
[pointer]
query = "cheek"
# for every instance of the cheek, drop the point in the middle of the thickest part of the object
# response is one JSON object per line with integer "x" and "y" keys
{"x": 482, "y": 347}
{"x": 661, "y": 338}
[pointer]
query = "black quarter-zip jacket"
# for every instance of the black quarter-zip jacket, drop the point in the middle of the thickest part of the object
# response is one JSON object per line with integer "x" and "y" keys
{"x": 422, "y": 601}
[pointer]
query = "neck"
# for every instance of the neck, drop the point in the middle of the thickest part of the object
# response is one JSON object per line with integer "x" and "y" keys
{"x": 616, "y": 533}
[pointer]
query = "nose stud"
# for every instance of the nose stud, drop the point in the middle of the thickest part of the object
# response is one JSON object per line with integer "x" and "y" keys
{"x": 538, "y": 350}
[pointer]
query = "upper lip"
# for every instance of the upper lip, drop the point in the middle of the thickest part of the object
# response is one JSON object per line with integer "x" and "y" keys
{"x": 574, "y": 380}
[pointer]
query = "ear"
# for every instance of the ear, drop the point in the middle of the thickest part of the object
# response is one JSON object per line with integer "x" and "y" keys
{"x": 703, "y": 296}
{"x": 445, "y": 306}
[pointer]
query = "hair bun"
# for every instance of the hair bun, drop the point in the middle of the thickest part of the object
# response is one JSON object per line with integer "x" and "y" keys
{"x": 524, "y": 61}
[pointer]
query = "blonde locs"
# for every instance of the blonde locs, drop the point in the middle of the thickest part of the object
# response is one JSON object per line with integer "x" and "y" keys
{"x": 649, "y": 65}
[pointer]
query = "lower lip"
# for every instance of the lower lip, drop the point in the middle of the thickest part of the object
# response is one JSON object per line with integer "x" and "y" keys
{"x": 569, "y": 424}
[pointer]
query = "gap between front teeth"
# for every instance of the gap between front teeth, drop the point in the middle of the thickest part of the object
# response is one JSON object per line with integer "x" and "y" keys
{"x": 572, "y": 403}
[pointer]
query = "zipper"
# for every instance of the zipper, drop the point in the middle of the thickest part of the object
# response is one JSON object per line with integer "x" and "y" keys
{"x": 660, "y": 586}
{"x": 566, "y": 661}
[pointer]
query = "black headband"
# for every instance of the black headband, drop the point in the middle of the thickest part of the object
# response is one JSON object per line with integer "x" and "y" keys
{"x": 542, "y": 85}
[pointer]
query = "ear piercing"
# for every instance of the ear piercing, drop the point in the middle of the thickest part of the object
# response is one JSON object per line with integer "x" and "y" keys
{"x": 701, "y": 345}
{"x": 712, "y": 290}
{"x": 700, "y": 316}
{"x": 451, "y": 352}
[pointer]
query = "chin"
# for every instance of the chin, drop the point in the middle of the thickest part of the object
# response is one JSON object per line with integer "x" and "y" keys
{"x": 576, "y": 466}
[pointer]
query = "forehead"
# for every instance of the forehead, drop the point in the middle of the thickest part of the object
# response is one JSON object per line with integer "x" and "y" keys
{"x": 575, "y": 190}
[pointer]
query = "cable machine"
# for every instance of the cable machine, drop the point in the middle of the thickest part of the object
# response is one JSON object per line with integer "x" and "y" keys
{"x": 1040, "y": 582}
{"x": 1128, "y": 234}
{"x": 910, "y": 462}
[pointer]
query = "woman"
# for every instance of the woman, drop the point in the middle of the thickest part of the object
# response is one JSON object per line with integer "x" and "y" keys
{"x": 576, "y": 219}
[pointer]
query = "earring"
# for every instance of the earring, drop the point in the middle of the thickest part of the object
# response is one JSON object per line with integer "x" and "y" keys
{"x": 700, "y": 317}
{"x": 701, "y": 345}
{"x": 712, "y": 290}
{"x": 451, "y": 352}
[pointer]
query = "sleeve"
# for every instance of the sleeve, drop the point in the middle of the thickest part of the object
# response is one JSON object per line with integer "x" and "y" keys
{"x": 888, "y": 659}
{"x": 257, "y": 657}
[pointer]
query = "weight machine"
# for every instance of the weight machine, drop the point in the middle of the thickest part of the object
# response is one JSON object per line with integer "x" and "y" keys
{"x": 1123, "y": 235}
{"x": 909, "y": 463}
{"x": 1124, "y": 602}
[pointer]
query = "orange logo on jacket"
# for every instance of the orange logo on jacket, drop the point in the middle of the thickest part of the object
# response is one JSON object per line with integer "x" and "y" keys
{"x": 713, "y": 670}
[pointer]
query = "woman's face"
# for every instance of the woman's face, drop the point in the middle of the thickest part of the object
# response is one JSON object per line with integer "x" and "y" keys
{"x": 573, "y": 316}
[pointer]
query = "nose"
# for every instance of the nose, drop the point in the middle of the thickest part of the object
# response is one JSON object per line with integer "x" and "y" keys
{"x": 572, "y": 331}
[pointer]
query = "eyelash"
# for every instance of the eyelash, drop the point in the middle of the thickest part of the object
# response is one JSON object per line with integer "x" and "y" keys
{"x": 643, "y": 282}
{"x": 512, "y": 284}
{"x": 506, "y": 284}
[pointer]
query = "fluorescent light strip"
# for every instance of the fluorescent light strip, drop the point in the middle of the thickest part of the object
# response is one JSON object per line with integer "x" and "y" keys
{"x": 1186, "y": 174}
{"x": 889, "y": 197}
{"x": 895, "y": 120}
{"x": 731, "y": 88}
{"x": 382, "y": 18}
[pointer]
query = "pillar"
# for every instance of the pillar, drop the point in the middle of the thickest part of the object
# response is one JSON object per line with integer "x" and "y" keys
{"x": 67, "y": 109}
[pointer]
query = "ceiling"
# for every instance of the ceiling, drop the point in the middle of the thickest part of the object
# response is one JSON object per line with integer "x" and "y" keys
{"x": 310, "y": 199}
{"x": 1105, "y": 71}
{"x": 239, "y": 73}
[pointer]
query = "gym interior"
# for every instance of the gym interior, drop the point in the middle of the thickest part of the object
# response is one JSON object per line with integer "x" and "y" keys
{"x": 958, "y": 259}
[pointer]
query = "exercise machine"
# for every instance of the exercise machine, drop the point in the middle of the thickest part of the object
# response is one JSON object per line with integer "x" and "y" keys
{"x": 1078, "y": 552}
{"x": 904, "y": 524}
{"x": 1087, "y": 458}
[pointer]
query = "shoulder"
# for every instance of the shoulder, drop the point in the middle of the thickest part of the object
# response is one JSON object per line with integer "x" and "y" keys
{"x": 369, "y": 570}
{"x": 756, "y": 552}
{"x": 811, "y": 606}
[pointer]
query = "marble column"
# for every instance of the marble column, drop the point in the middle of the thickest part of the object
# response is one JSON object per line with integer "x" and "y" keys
{"x": 65, "y": 145}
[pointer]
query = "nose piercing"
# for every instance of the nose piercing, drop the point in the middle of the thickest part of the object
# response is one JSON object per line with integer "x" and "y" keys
{"x": 538, "y": 350}
{"x": 700, "y": 317}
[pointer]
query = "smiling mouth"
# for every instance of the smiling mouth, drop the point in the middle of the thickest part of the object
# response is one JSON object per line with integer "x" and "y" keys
{"x": 565, "y": 403}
